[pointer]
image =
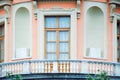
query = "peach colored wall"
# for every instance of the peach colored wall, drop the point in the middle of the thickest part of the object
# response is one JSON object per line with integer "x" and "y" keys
{"x": 47, "y": 5}
{"x": 19, "y": 1}
{"x": 2, "y": 12}
{"x": 10, "y": 37}
{"x": 34, "y": 36}
{"x": 109, "y": 34}
{"x": 117, "y": 10}
{"x": 80, "y": 26}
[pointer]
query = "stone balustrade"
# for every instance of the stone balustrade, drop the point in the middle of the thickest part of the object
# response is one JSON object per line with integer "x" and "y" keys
{"x": 59, "y": 66}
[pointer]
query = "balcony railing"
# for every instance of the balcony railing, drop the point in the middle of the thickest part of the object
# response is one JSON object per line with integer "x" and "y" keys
{"x": 59, "y": 66}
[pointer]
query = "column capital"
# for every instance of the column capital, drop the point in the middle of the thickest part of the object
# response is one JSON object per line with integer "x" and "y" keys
{"x": 7, "y": 9}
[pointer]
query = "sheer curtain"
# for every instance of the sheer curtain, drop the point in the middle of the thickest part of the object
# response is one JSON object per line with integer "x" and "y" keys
{"x": 51, "y": 45}
{"x": 64, "y": 22}
{"x": 63, "y": 44}
{"x": 50, "y": 22}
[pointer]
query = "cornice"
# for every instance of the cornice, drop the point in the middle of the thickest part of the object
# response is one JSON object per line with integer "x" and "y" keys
{"x": 117, "y": 2}
{"x": 5, "y": 2}
{"x": 54, "y": 0}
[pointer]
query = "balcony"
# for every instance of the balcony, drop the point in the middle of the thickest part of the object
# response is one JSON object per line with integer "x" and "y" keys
{"x": 61, "y": 67}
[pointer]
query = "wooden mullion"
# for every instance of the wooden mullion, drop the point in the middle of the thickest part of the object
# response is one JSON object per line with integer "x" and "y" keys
{"x": 69, "y": 44}
{"x": 57, "y": 45}
{"x": 60, "y": 29}
{"x": 45, "y": 44}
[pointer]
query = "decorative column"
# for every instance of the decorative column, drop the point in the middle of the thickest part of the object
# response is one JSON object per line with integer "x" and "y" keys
{"x": 7, "y": 17}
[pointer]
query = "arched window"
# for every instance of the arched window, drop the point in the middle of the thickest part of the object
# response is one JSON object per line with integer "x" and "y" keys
{"x": 22, "y": 32}
{"x": 95, "y": 31}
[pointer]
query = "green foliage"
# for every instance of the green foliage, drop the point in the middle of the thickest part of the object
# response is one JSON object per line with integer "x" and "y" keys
{"x": 18, "y": 77}
{"x": 101, "y": 76}
{"x": 15, "y": 77}
{"x": 8, "y": 74}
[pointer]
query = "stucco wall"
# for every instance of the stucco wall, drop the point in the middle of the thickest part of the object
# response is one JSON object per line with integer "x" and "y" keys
{"x": 80, "y": 27}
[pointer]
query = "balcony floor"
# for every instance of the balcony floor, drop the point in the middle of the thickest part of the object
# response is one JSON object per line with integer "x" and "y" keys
{"x": 56, "y": 76}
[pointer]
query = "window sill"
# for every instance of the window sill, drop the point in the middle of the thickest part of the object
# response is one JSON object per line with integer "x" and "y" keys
{"x": 94, "y": 58}
{"x": 21, "y": 59}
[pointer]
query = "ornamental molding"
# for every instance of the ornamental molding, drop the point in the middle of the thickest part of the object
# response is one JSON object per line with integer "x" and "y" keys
{"x": 57, "y": 9}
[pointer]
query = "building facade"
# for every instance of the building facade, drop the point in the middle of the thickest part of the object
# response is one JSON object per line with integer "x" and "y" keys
{"x": 52, "y": 35}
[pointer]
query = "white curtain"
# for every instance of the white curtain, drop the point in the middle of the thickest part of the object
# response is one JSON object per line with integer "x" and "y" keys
{"x": 50, "y": 22}
{"x": 64, "y": 22}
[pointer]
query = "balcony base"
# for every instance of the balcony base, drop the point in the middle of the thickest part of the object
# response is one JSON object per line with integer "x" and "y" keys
{"x": 54, "y": 76}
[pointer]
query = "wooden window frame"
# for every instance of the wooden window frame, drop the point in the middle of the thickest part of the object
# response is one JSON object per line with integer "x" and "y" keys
{"x": 57, "y": 30}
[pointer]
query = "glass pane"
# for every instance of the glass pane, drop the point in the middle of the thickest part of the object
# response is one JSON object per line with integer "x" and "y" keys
{"x": 64, "y": 22}
{"x": 64, "y": 56}
{"x": 64, "y": 36}
{"x": 50, "y": 22}
{"x": 51, "y": 56}
{"x": 63, "y": 47}
{"x": 51, "y": 47}
{"x": 51, "y": 36}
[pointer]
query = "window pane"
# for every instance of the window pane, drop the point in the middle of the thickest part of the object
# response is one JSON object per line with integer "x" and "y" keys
{"x": 64, "y": 36}
{"x": 64, "y": 22}
{"x": 51, "y": 36}
{"x": 64, "y": 56}
{"x": 51, "y": 56}
{"x": 50, "y": 22}
{"x": 63, "y": 47}
{"x": 51, "y": 47}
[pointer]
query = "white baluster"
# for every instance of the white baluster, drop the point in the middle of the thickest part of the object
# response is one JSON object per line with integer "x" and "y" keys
{"x": 42, "y": 67}
{"x": 38, "y": 67}
{"x": 48, "y": 67}
{"x": 55, "y": 67}
{"x": 26, "y": 68}
{"x": 64, "y": 67}
{"x": 67, "y": 67}
{"x": 96, "y": 68}
{"x": 71, "y": 67}
{"x": 60, "y": 67}
{"x": 84, "y": 67}
{"x": 90, "y": 67}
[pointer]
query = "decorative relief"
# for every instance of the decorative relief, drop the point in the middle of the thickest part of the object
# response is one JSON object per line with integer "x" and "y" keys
{"x": 35, "y": 9}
